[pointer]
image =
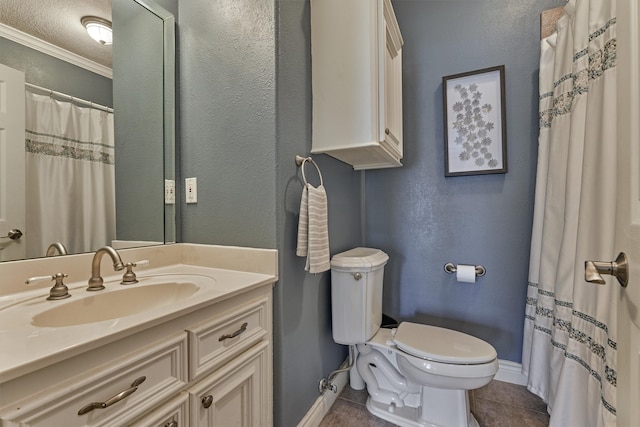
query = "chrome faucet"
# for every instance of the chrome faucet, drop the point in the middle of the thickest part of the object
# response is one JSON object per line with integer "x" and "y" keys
{"x": 96, "y": 281}
{"x": 56, "y": 246}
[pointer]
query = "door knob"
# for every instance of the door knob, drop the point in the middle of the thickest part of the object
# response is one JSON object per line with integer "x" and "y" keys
{"x": 619, "y": 268}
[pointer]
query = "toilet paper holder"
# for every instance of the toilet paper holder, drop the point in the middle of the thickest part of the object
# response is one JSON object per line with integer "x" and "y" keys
{"x": 452, "y": 268}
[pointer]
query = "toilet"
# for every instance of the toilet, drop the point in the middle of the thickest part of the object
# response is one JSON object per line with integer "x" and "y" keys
{"x": 415, "y": 374}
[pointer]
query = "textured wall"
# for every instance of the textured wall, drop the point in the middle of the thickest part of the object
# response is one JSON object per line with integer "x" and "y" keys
{"x": 305, "y": 351}
{"x": 241, "y": 125}
{"x": 427, "y": 219}
{"x": 227, "y": 120}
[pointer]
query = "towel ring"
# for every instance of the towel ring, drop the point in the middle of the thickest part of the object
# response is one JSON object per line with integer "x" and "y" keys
{"x": 300, "y": 161}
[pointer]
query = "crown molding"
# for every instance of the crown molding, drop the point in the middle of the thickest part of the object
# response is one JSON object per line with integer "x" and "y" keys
{"x": 53, "y": 50}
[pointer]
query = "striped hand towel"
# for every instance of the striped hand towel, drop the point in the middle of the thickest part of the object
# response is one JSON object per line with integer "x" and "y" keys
{"x": 313, "y": 231}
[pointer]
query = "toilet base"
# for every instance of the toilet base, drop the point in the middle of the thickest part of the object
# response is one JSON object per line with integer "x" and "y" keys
{"x": 407, "y": 416}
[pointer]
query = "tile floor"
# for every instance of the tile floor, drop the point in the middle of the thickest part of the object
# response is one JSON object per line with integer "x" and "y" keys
{"x": 498, "y": 404}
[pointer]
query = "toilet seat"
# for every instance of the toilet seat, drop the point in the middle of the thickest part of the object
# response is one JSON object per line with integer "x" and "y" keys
{"x": 442, "y": 345}
{"x": 438, "y": 374}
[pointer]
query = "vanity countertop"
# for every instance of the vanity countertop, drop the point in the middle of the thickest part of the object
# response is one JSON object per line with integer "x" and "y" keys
{"x": 28, "y": 346}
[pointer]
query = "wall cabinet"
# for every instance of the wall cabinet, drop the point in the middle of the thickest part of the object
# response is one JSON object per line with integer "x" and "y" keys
{"x": 356, "y": 57}
{"x": 210, "y": 367}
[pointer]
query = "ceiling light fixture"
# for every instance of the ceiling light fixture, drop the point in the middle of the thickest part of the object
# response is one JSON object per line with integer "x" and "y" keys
{"x": 99, "y": 29}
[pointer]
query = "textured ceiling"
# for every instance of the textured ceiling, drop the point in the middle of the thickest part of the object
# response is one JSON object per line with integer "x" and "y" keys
{"x": 58, "y": 22}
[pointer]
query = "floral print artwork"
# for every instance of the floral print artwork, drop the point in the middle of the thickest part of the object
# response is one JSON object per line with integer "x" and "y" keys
{"x": 474, "y": 123}
{"x": 472, "y": 127}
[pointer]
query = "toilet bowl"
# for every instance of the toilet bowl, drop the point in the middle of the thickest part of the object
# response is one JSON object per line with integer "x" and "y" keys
{"x": 427, "y": 385}
{"x": 415, "y": 374}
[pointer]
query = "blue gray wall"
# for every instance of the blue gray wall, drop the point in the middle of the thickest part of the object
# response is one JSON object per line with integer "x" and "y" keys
{"x": 427, "y": 219}
{"x": 305, "y": 351}
{"x": 52, "y": 73}
{"x": 227, "y": 121}
{"x": 245, "y": 112}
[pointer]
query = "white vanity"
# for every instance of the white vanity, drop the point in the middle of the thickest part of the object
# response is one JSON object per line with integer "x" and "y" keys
{"x": 190, "y": 344}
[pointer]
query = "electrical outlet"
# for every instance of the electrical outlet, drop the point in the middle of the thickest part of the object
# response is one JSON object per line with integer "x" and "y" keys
{"x": 191, "y": 190}
{"x": 169, "y": 191}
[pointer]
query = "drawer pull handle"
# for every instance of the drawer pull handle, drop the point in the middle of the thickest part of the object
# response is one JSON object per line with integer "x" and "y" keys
{"x": 207, "y": 401}
{"x": 115, "y": 399}
{"x": 171, "y": 424}
{"x": 235, "y": 334}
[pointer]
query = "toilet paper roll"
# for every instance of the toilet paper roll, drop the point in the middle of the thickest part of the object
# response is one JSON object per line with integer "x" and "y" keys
{"x": 466, "y": 273}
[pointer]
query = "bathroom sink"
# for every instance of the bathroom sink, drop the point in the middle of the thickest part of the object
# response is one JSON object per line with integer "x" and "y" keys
{"x": 118, "y": 303}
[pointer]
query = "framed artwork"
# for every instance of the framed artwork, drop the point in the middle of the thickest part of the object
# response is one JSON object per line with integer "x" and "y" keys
{"x": 475, "y": 135}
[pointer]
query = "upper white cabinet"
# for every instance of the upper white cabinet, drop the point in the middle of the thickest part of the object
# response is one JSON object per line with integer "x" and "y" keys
{"x": 356, "y": 56}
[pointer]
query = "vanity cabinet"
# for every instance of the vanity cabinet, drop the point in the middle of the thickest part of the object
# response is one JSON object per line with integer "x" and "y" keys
{"x": 210, "y": 367}
{"x": 356, "y": 58}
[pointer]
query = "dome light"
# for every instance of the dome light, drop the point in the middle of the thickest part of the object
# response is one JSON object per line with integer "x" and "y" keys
{"x": 99, "y": 29}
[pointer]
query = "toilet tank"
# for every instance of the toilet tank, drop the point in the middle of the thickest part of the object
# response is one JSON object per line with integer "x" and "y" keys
{"x": 356, "y": 294}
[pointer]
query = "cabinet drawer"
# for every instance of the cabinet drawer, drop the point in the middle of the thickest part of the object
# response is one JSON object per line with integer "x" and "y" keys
{"x": 174, "y": 413}
{"x": 162, "y": 365}
{"x": 217, "y": 340}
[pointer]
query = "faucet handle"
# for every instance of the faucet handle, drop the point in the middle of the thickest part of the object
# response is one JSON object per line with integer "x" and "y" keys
{"x": 59, "y": 289}
{"x": 129, "y": 277}
{"x": 38, "y": 279}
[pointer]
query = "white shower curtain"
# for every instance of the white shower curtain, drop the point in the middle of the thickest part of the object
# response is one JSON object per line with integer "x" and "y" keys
{"x": 569, "y": 350}
{"x": 70, "y": 176}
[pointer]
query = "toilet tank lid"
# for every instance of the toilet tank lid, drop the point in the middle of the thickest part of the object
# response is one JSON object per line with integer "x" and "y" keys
{"x": 360, "y": 258}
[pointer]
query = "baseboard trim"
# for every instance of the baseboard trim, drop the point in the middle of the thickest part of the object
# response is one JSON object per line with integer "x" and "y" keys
{"x": 509, "y": 372}
{"x": 323, "y": 403}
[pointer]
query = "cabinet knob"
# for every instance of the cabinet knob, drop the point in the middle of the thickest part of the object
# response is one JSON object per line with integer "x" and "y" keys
{"x": 386, "y": 131}
{"x": 207, "y": 401}
{"x": 171, "y": 424}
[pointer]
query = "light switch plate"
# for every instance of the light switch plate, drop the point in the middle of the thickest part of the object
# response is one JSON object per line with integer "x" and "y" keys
{"x": 191, "y": 190}
{"x": 169, "y": 191}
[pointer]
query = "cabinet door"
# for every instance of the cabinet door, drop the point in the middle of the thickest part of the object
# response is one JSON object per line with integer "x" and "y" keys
{"x": 236, "y": 395}
{"x": 392, "y": 82}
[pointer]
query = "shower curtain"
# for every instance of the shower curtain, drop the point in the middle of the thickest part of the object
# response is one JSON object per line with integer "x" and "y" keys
{"x": 569, "y": 350}
{"x": 70, "y": 176}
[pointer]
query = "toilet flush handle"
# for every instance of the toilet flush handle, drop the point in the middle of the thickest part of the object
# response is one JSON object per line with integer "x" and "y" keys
{"x": 357, "y": 276}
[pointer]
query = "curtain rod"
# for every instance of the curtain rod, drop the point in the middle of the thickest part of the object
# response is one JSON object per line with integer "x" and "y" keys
{"x": 69, "y": 98}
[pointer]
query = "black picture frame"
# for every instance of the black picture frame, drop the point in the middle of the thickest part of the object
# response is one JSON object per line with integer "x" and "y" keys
{"x": 475, "y": 128}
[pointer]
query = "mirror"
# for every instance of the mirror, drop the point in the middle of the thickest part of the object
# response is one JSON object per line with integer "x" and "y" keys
{"x": 142, "y": 95}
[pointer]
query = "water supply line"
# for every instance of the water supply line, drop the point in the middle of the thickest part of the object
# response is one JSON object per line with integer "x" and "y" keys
{"x": 327, "y": 383}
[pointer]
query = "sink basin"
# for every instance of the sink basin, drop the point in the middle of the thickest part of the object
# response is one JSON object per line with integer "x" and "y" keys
{"x": 115, "y": 304}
